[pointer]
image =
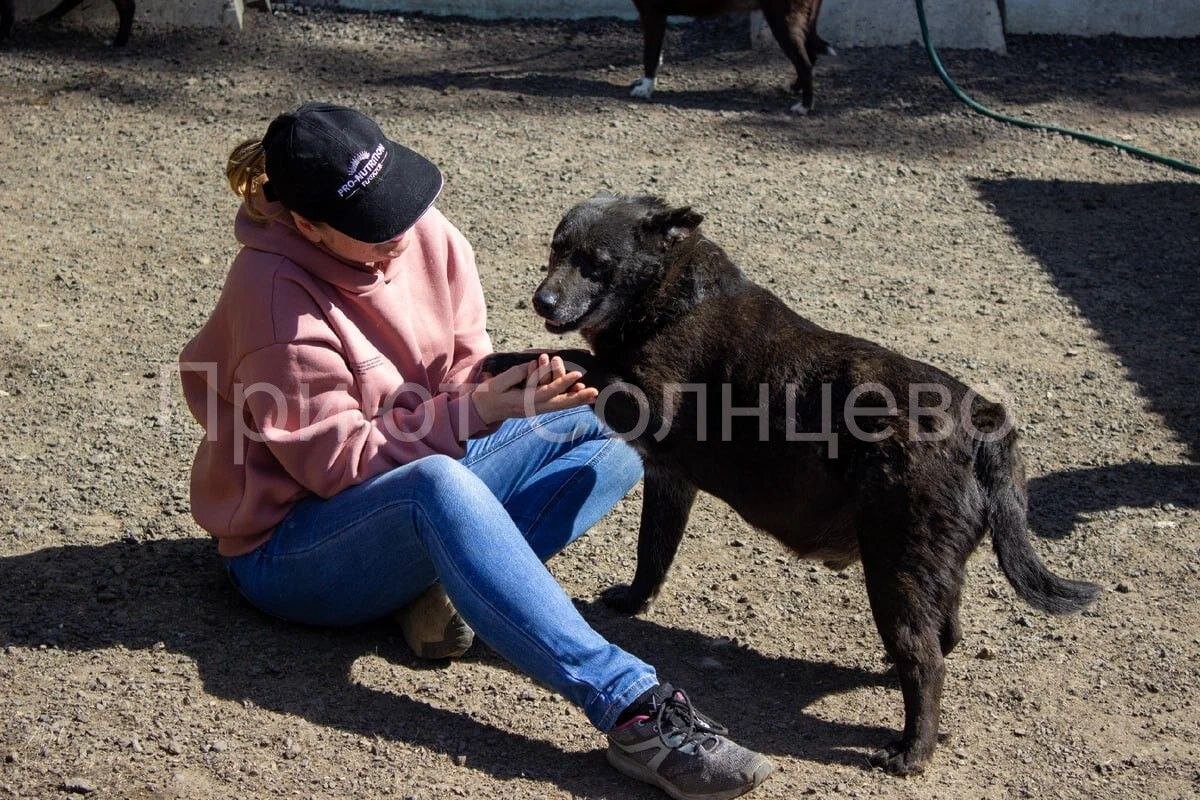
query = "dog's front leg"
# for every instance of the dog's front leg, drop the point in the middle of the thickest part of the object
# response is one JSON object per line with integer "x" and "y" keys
{"x": 654, "y": 30}
{"x": 495, "y": 363}
{"x": 666, "y": 506}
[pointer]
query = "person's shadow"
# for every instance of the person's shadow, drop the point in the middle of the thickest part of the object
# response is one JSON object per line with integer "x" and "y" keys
{"x": 173, "y": 594}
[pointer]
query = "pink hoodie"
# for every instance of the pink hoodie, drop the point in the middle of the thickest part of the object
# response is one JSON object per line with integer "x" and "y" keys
{"x": 313, "y": 375}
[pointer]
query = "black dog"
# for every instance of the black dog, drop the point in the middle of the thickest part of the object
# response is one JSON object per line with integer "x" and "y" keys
{"x": 125, "y": 9}
{"x": 836, "y": 446}
{"x": 792, "y": 22}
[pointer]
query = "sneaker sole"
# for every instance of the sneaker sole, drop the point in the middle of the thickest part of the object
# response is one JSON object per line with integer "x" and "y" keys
{"x": 628, "y": 766}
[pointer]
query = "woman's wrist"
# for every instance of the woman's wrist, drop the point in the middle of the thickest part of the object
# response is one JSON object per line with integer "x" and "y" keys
{"x": 483, "y": 407}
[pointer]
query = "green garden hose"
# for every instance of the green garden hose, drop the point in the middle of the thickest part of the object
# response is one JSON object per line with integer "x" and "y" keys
{"x": 1173, "y": 163}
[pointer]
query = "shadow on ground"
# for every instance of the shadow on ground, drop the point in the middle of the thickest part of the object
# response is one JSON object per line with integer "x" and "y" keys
{"x": 593, "y": 59}
{"x": 136, "y": 595}
{"x": 1126, "y": 254}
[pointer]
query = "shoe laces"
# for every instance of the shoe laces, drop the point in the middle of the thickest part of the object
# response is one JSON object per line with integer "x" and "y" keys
{"x": 678, "y": 719}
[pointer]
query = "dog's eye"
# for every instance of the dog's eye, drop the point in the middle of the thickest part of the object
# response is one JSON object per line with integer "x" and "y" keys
{"x": 588, "y": 266}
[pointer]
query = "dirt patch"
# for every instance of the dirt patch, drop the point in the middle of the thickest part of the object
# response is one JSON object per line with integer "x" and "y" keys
{"x": 1065, "y": 274}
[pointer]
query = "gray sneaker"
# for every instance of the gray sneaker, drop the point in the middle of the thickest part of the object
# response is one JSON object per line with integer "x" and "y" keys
{"x": 432, "y": 626}
{"x": 683, "y": 752}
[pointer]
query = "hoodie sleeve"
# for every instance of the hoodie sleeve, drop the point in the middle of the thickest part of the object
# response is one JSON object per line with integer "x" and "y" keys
{"x": 471, "y": 340}
{"x": 298, "y": 398}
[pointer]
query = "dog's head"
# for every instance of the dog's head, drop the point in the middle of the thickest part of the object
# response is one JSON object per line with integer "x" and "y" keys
{"x": 607, "y": 252}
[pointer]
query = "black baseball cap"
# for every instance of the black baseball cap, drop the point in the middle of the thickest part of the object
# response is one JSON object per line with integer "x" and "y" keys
{"x": 332, "y": 164}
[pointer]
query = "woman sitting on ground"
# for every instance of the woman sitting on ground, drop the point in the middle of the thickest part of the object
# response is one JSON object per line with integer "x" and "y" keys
{"x": 357, "y": 464}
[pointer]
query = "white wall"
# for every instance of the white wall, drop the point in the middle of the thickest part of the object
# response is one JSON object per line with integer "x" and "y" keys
{"x": 846, "y": 23}
{"x": 1097, "y": 17}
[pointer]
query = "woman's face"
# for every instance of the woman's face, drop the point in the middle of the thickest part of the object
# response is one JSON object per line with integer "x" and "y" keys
{"x": 349, "y": 249}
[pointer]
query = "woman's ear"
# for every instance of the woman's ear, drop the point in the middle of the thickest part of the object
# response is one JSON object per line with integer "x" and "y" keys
{"x": 306, "y": 228}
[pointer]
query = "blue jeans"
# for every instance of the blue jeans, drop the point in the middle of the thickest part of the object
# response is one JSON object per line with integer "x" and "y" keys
{"x": 482, "y": 526}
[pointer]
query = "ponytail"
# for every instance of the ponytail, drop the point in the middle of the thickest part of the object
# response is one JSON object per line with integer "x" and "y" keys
{"x": 246, "y": 172}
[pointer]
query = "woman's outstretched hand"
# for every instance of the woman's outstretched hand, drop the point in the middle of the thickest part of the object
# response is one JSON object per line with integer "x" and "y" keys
{"x": 541, "y": 385}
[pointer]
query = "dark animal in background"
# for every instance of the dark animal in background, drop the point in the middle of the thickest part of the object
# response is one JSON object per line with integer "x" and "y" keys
{"x": 125, "y": 9}
{"x": 792, "y": 22}
{"x": 661, "y": 305}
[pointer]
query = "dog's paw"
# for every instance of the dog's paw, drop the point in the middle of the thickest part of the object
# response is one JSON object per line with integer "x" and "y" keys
{"x": 800, "y": 110}
{"x": 898, "y": 759}
{"x": 622, "y": 600}
{"x": 642, "y": 88}
{"x": 495, "y": 363}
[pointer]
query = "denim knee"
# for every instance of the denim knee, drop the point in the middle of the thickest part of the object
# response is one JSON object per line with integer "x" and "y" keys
{"x": 441, "y": 482}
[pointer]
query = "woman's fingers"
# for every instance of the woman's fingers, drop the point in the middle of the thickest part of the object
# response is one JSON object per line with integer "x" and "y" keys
{"x": 511, "y": 377}
{"x": 561, "y": 401}
{"x": 538, "y": 368}
{"x": 557, "y": 386}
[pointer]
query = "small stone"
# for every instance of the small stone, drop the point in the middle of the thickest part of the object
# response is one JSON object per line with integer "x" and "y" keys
{"x": 10, "y": 757}
{"x": 1020, "y": 732}
{"x": 986, "y": 654}
{"x": 460, "y": 760}
{"x": 1123, "y": 588}
{"x": 78, "y": 786}
{"x": 218, "y": 747}
{"x": 521, "y": 304}
{"x": 173, "y": 747}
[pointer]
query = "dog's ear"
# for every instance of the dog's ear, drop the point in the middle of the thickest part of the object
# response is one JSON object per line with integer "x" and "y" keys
{"x": 674, "y": 224}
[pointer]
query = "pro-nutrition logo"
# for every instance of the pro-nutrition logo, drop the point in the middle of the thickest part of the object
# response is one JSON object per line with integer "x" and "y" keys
{"x": 364, "y": 168}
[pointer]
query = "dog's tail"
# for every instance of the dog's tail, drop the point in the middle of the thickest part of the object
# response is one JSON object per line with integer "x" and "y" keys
{"x": 998, "y": 468}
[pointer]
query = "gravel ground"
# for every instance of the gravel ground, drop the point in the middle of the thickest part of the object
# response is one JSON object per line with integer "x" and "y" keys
{"x": 1063, "y": 274}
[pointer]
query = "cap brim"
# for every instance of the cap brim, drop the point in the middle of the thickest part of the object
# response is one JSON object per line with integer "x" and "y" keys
{"x": 398, "y": 199}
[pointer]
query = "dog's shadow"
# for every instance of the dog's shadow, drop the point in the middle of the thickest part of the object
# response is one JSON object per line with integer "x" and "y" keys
{"x": 172, "y": 594}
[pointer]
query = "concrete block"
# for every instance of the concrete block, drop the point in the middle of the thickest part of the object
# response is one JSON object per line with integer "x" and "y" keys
{"x": 1178, "y": 18}
{"x": 966, "y": 24}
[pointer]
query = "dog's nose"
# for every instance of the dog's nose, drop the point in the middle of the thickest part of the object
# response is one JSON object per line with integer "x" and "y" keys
{"x": 544, "y": 302}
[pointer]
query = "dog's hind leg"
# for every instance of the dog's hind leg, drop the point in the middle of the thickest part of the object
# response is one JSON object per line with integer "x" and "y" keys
{"x": 125, "y": 9}
{"x": 654, "y": 30}
{"x": 951, "y": 633}
{"x": 913, "y": 574}
{"x": 791, "y": 32}
{"x": 815, "y": 44}
{"x": 666, "y": 505}
{"x": 912, "y": 640}
{"x": 7, "y": 15}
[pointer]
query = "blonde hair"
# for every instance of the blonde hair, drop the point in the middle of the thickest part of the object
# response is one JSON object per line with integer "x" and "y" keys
{"x": 246, "y": 171}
